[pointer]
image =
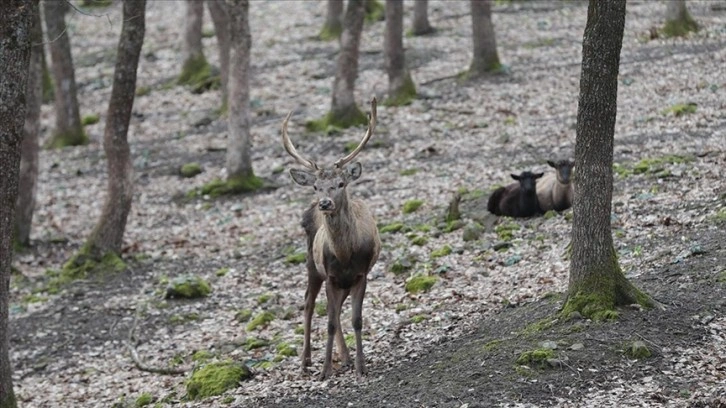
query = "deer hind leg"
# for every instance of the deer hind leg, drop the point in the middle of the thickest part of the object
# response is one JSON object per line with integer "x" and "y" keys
{"x": 357, "y": 294}
{"x": 311, "y": 293}
{"x": 335, "y": 295}
{"x": 339, "y": 339}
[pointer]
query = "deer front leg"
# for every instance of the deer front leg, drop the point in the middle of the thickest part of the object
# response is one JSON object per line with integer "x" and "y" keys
{"x": 311, "y": 293}
{"x": 339, "y": 339}
{"x": 334, "y": 296}
{"x": 357, "y": 294}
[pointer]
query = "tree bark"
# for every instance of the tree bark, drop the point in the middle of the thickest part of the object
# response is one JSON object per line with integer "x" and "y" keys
{"x": 192, "y": 47}
{"x": 31, "y": 129}
{"x": 486, "y": 59}
{"x": 421, "y": 25}
{"x": 239, "y": 159}
{"x": 16, "y": 19}
{"x": 597, "y": 283}
{"x": 333, "y": 21}
{"x": 107, "y": 236}
{"x": 678, "y": 20}
{"x": 401, "y": 89}
{"x": 218, "y": 12}
{"x": 344, "y": 111}
{"x": 68, "y": 128}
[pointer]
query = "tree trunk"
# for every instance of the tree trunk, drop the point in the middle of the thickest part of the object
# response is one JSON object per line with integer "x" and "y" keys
{"x": 401, "y": 89}
{"x": 68, "y": 129}
{"x": 192, "y": 53}
{"x": 218, "y": 12}
{"x": 107, "y": 236}
{"x": 333, "y": 21}
{"x": 678, "y": 20}
{"x": 486, "y": 59}
{"x": 421, "y": 25}
{"x": 16, "y": 18}
{"x": 239, "y": 159}
{"x": 344, "y": 111}
{"x": 29, "y": 148}
{"x": 597, "y": 285}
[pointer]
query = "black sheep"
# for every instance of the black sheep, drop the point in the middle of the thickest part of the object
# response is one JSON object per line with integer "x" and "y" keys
{"x": 517, "y": 199}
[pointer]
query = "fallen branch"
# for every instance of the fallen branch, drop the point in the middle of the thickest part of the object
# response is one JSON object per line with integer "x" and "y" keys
{"x": 129, "y": 343}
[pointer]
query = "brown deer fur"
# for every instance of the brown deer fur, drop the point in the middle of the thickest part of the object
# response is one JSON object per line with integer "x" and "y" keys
{"x": 343, "y": 245}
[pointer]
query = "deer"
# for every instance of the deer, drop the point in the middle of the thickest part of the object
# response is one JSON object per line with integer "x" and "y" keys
{"x": 554, "y": 191}
{"x": 342, "y": 246}
{"x": 517, "y": 199}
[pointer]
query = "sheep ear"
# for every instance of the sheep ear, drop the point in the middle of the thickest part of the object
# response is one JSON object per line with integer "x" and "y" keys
{"x": 551, "y": 163}
{"x": 538, "y": 175}
{"x": 514, "y": 176}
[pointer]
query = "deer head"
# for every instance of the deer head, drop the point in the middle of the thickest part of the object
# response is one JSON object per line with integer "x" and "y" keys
{"x": 329, "y": 183}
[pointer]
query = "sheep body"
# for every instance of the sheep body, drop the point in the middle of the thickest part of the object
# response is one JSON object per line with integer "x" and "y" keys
{"x": 517, "y": 199}
{"x": 555, "y": 190}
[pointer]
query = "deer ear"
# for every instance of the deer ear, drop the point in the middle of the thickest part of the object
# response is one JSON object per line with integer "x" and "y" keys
{"x": 354, "y": 170}
{"x": 552, "y": 164}
{"x": 514, "y": 176}
{"x": 302, "y": 177}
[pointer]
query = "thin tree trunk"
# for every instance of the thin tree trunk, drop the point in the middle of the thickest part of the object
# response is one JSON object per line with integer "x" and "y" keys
{"x": 29, "y": 149}
{"x": 333, "y": 21}
{"x": 344, "y": 111}
{"x": 239, "y": 159}
{"x": 401, "y": 89}
{"x": 678, "y": 20}
{"x": 107, "y": 236}
{"x": 68, "y": 129}
{"x": 218, "y": 12}
{"x": 485, "y": 58}
{"x": 421, "y": 25}
{"x": 597, "y": 283}
{"x": 16, "y": 19}
{"x": 192, "y": 46}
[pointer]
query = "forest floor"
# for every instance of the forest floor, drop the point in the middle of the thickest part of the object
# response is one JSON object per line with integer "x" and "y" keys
{"x": 455, "y": 345}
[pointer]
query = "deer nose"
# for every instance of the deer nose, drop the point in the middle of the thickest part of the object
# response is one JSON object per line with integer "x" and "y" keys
{"x": 325, "y": 204}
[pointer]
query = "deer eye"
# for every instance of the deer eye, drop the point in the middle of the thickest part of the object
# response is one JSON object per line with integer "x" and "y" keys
{"x": 341, "y": 185}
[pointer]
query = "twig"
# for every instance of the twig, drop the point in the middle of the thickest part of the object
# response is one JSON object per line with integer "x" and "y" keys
{"x": 129, "y": 343}
{"x": 649, "y": 342}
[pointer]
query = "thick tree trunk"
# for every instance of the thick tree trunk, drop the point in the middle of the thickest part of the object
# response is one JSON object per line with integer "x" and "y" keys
{"x": 68, "y": 129}
{"x": 107, "y": 236}
{"x": 421, "y": 25}
{"x": 333, "y": 21}
{"x": 678, "y": 20}
{"x": 401, "y": 89}
{"x": 597, "y": 284}
{"x": 218, "y": 12}
{"x": 16, "y": 19}
{"x": 29, "y": 149}
{"x": 239, "y": 159}
{"x": 344, "y": 111}
{"x": 485, "y": 58}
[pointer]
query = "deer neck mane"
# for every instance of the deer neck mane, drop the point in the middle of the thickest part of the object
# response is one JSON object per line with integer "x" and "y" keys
{"x": 341, "y": 228}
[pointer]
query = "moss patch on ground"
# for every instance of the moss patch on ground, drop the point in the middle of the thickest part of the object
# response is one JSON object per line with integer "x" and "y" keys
{"x": 536, "y": 357}
{"x": 680, "y": 28}
{"x": 187, "y": 287}
{"x": 681, "y": 109}
{"x": 216, "y": 378}
{"x": 91, "y": 119}
{"x": 190, "y": 170}
{"x": 82, "y": 265}
{"x": 392, "y": 227}
{"x": 420, "y": 283}
{"x": 261, "y": 320}
{"x": 296, "y": 258}
{"x": 67, "y": 138}
{"x": 411, "y": 206}
{"x": 443, "y": 251}
{"x": 505, "y": 231}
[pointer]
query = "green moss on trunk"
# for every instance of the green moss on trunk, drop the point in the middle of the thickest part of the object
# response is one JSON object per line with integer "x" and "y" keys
{"x": 197, "y": 74}
{"x": 375, "y": 11}
{"x": 48, "y": 88}
{"x": 330, "y": 32}
{"x": 680, "y": 28}
{"x": 333, "y": 121}
{"x": 85, "y": 264}
{"x": 233, "y": 185}
{"x": 68, "y": 138}
{"x": 597, "y": 296}
{"x": 404, "y": 95}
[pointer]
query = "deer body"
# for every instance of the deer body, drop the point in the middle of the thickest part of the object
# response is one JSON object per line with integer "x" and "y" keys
{"x": 343, "y": 245}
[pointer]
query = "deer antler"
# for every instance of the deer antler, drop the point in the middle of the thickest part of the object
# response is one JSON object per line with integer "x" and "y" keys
{"x": 290, "y": 148}
{"x": 371, "y": 125}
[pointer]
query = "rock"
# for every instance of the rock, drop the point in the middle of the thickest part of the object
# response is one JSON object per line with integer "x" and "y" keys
{"x": 548, "y": 344}
{"x": 577, "y": 346}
